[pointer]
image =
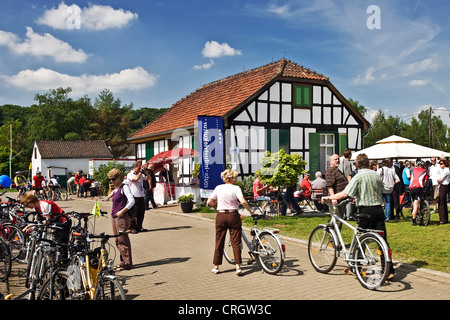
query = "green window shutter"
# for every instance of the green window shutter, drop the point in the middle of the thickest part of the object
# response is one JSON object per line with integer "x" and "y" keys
{"x": 343, "y": 143}
{"x": 314, "y": 153}
{"x": 149, "y": 151}
{"x": 282, "y": 141}
{"x": 302, "y": 96}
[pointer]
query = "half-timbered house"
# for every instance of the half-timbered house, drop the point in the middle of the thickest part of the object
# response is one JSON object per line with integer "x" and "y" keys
{"x": 278, "y": 105}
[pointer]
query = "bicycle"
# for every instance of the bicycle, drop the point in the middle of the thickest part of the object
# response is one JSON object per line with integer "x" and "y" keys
{"x": 368, "y": 254}
{"x": 90, "y": 275}
{"x": 5, "y": 260}
{"x": 60, "y": 194}
{"x": 423, "y": 213}
{"x": 46, "y": 259}
{"x": 14, "y": 236}
{"x": 264, "y": 247}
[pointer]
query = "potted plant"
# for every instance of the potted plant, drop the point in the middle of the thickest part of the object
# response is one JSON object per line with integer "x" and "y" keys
{"x": 186, "y": 202}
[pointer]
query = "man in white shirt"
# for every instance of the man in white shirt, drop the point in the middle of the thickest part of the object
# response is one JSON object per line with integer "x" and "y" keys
{"x": 136, "y": 179}
{"x": 434, "y": 174}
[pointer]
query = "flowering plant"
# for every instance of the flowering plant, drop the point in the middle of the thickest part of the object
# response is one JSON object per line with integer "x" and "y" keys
{"x": 186, "y": 198}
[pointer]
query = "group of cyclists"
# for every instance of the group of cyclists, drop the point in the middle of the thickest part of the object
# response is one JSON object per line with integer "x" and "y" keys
{"x": 430, "y": 179}
{"x": 38, "y": 185}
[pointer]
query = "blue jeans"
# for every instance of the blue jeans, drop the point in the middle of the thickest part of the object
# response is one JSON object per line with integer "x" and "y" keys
{"x": 387, "y": 205}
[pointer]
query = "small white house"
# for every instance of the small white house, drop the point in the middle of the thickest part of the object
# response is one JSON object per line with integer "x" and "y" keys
{"x": 62, "y": 158}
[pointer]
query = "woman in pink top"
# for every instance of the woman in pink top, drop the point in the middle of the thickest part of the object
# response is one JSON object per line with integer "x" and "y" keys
{"x": 227, "y": 197}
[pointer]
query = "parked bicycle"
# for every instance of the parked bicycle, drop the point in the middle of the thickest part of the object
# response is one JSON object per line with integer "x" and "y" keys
{"x": 90, "y": 276}
{"x": 368, "y": 254}
{"x": 265, "y": 247}
{"x": 5, "y": 260}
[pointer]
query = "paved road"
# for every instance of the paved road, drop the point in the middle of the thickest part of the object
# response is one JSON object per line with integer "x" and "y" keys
{"x": 172, "y": 261}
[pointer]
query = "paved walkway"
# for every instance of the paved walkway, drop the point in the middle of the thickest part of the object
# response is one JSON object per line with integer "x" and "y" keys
{"x": 172, "y": 261}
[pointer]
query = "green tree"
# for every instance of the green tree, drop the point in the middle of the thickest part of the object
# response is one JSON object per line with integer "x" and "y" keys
{"x": 101, "y": 174}
{"x": 111, "y": 122}
{"x": 58, "y": 117}
{"x": 143, "y": 116}
{"x": 281, "y": 169}
{"x": 383, "y": 127}
{"x": 419, "y": 131}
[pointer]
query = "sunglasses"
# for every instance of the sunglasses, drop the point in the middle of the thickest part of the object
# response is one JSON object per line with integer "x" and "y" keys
{"x": 441, "y": 163}
{"x": 112, "y": 179}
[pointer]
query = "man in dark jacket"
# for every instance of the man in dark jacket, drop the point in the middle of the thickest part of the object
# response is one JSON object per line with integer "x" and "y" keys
{"x": 148, "y": 187}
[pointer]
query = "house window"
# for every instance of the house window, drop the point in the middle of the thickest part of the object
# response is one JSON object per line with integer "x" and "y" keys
{"x": 327, "y": 148}
{"x": 302, "y": 96}
{"x": 140, "y": 151}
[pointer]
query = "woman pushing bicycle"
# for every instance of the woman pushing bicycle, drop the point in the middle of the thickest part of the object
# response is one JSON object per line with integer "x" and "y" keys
{"x": 367, "y": 187}
{"x": 227, "y": 197}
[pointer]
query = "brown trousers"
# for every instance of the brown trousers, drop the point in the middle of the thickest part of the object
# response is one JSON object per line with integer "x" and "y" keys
{"x": 224, "y": 222}
{"x": 123, "y": 243}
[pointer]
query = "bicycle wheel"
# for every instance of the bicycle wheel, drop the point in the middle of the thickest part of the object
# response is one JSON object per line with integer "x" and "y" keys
{"x": 372, "y": 267}
{"x": 228, "y": 249}
{"x": 64, "y": 195}
{"x": 425, "y": 212}
{"x": 16, "y": 240}
{"x": 109, "y": 288}
{"x": 269, "y": 253}
{"x": 57, "y": 287}
{"x": 5, "y": 260}
{"x": 406, "y": 211}
{"x": 322, "y": 249}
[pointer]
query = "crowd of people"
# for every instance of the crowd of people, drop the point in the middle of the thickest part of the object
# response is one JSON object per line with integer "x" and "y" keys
{"x": 378, "y": 189}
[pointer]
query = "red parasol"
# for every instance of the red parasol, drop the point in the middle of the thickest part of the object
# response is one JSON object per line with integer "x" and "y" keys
{"x": 169, "y": 156}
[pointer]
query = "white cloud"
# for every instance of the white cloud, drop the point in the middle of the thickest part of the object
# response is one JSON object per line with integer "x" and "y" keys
{"x": 44, "y": 79}
{"x": 213, "y": 49}
{"x": 205, "y": 66}
{"x": 42, "y": 45}
{"x": 418, "y": 83}
{"x": 425, "y": 65}
{"x": 366, "y": 78}
{"x": 94, "y": 17}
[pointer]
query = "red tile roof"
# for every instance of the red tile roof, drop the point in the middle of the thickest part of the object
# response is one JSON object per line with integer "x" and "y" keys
{"x": 220, "y": 97}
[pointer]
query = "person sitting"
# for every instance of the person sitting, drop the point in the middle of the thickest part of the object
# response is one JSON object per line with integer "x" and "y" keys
{"x": 306, "y": 186}
{"x": 259, "y": 192}
{"x": 319, "y": 189}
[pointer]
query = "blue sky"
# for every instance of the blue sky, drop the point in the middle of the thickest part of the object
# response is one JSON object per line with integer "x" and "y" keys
{"x": 393, "y": 57}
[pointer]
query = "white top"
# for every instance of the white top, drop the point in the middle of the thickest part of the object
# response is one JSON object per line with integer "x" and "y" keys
{"x": 435, "y": 173}
{"x": 445, "y": 176}
{"x": 227, "y": 196}
{"x": 137, "y": 188}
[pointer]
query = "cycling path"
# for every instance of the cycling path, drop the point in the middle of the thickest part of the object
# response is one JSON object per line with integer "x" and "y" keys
{"x": 173, "y": 259}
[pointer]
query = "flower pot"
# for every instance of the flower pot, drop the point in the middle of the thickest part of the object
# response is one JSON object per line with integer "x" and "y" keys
{"x": 187, "y": 207}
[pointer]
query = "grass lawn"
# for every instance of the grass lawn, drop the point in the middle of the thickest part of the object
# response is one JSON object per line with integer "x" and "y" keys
{"x": 427, "y": 247}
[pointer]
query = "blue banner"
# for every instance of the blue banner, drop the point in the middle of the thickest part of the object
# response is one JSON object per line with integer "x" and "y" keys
{"x": 212, "y": 153}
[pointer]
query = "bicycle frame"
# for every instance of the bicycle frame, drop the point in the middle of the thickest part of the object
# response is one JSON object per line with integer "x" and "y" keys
{"x": 255, "y": 232}
{"x": 90, "y": 275}
{"x": 355, "y": 239}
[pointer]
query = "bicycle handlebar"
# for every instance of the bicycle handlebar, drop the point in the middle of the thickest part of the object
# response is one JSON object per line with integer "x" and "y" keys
{"x": 342, "y": 202}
